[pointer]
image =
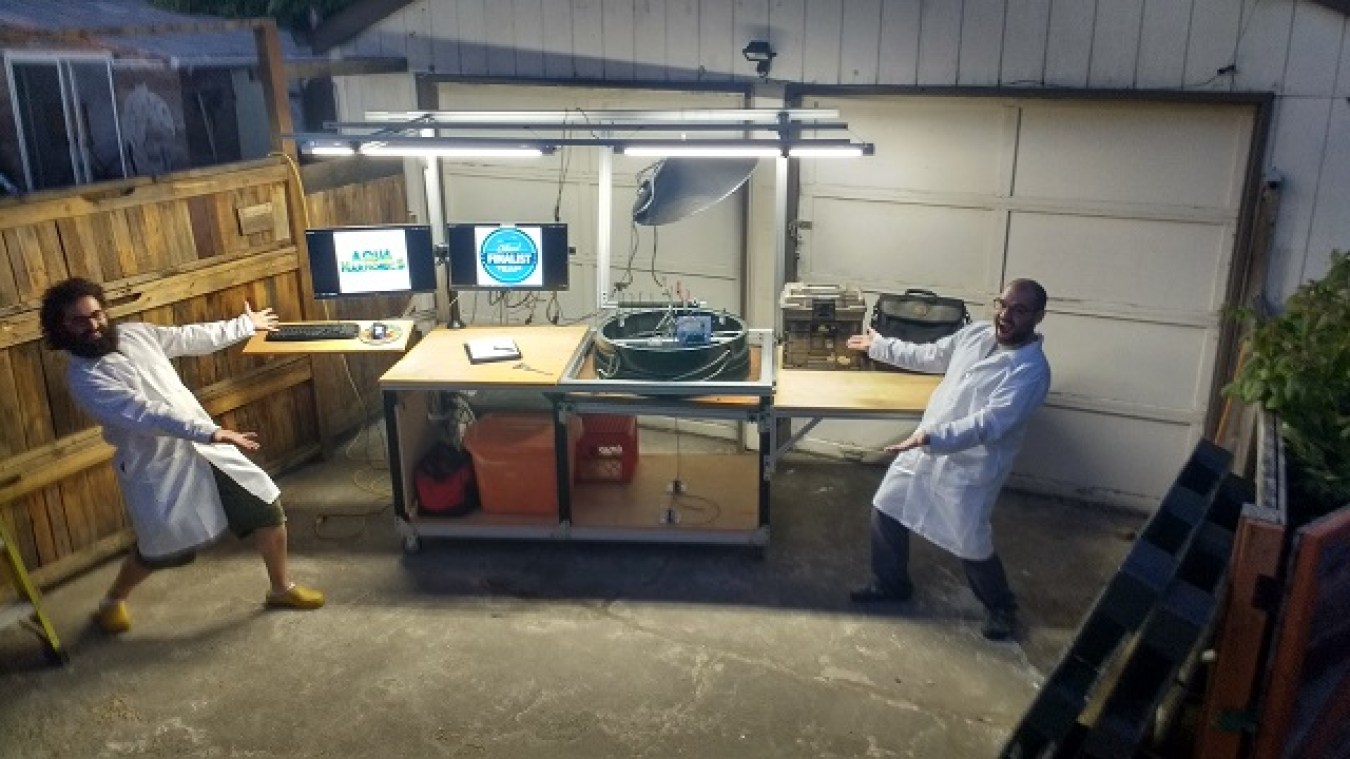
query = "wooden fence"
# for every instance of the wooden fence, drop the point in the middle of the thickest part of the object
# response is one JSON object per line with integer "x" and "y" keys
{"x": 173, "y": 249}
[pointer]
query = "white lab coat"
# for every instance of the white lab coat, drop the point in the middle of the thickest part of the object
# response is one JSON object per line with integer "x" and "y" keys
{"x": 976, "y": 419}
{"x": 162, "y": 434}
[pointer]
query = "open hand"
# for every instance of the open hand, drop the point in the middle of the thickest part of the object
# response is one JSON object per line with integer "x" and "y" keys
{"x": 862, "y": 342}
{"x": 244, "y": 440}
{"x": 916, "y": 440}
{"x": 264, "y": 320}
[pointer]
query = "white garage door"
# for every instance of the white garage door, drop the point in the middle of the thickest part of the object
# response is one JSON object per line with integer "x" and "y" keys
{"x": 1126, "y": 212}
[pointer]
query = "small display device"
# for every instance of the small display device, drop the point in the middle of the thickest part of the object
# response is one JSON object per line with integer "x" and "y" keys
{"x": 376, "y": 260}
{"x": 525, "y": 256}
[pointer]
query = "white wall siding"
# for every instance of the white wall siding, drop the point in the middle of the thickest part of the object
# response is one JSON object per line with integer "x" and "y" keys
{"x": 1296, "y": 49}
{"x": 1115, "y": 44}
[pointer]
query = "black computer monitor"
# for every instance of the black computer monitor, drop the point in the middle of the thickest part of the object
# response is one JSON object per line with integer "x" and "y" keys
{"x": 392, "y": 259}
{"x": 495, "y": 256}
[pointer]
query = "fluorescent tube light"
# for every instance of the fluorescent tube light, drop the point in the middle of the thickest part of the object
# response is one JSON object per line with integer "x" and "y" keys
{"x": 707, "y": 151}
{"x": 446, "y": 151}
{"x": 827, "y": 151}
{"x": 339, "y": 150}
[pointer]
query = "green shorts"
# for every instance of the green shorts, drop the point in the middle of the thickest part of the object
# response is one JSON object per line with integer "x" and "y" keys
{"x": 244, "y": 511}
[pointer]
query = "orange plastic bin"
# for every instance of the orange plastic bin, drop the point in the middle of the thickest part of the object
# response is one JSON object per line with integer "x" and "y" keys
{"x": 514, "y": 462}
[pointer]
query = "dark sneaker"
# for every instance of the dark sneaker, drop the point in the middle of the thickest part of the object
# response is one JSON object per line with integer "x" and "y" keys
{"x": 999, "y": 624}
{"x": 875, "y": 594}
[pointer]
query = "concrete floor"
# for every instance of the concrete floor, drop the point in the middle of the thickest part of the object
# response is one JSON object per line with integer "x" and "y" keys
{"x": 529, "y": 649}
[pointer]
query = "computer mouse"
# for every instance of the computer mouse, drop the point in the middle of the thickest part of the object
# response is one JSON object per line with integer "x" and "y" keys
{"x": 378, "y": 331}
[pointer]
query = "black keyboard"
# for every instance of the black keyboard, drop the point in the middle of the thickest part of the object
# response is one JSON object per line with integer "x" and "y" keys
{"x": 315, "y": 331}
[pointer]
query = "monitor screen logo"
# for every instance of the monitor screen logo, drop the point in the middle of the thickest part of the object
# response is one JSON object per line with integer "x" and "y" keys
{"x": 510, "y": 256}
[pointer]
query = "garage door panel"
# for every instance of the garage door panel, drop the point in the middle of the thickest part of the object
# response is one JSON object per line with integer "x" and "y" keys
{"x": 936, "y": 147}
{"x": 886, "y": 245}
{"x": 1116, "y": 260}
{"x": 1136, "y": 153}
{"x": 1121, "y": 362}
{"x": 1125, "y": 211}
{"x": 1064, "y": 454}
{"x": 478, "y": 197}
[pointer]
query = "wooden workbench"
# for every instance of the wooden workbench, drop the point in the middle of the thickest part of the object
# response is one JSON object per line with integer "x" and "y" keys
{"x": 727, "y": 500}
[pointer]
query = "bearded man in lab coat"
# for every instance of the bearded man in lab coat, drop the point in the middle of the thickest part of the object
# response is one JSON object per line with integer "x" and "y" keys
{"x": 183, "y": 477}
{"x": 947, "y": 476}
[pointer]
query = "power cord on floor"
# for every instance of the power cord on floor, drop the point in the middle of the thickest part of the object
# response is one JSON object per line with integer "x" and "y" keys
{"x": 375, "y": 468}
{"x": 679, "y": 493}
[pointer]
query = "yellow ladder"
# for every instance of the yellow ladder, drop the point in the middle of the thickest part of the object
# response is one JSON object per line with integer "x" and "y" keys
{"x": 27, "y": 610}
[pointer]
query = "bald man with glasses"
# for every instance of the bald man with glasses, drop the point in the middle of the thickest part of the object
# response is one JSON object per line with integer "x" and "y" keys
{"x": 949, "y": 471}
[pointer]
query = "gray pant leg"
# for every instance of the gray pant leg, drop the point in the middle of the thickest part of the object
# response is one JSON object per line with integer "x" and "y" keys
{"x": 890, "y": 554}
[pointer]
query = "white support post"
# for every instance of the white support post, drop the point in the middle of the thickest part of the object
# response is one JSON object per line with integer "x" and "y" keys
{"x": 780, "y": 201}
{"x": 431, "y": 182}
{"x": 602, "y": 232}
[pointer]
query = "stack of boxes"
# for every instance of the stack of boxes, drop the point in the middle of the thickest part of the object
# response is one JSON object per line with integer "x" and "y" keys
{"x": 817, "y": 322}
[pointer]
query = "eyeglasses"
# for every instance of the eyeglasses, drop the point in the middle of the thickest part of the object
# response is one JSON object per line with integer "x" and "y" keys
{"x": 1016, "y": 309}
{"x": 92, "y": 316}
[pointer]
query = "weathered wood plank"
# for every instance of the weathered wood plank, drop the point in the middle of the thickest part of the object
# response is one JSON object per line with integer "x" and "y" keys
{"x": 205, "y": 230}
{"x": 77, "y": 240}
{"x": 43, "y": 541}
{"x": 141, "y": 293}
{"x": 87, "y": 557}
{"x": 11, "y": 435}
{"x": 41, "y": 466}
{"x": 65, "y": 415}
{"x": 35, "y": 258}
{"x": 123, "y": 245}
{"x": 30, "y": 394}
{"x": 79, "y": 517}
{"x": 9, "y": 286}
{"x": 176, "y": 221}
{"x": 99, "y": 198}
{"x": 20, "y": 526}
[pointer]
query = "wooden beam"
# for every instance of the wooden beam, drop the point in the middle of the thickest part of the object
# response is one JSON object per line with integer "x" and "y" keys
{"x": 272, "y": 377}
{"x": 274, "y": 88}
{"x": 309, "y": 69}
{"x": 162, "y": 289}
{"x": 48, "y": 464}
{"x": 135, "y": 193}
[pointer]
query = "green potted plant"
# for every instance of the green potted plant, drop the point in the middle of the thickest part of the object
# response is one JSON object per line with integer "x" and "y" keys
{"x": 1297, "y": 366}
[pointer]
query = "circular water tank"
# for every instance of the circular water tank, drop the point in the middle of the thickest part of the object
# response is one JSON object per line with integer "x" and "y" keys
{"x": 672, "y": 345}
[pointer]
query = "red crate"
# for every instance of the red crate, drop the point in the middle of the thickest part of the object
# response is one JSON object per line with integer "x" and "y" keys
{"x": 608, "y": 448}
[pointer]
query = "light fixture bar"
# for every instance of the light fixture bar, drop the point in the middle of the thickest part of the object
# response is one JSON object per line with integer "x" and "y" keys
{"x": 601, "y": 118}
{"x": 572, "y": 126}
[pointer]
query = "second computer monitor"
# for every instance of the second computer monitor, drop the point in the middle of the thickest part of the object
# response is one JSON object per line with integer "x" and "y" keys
{"x": 498, "y": 256}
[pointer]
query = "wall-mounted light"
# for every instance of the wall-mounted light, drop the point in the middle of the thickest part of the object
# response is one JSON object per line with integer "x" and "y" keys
{"x": 760, "y": 53}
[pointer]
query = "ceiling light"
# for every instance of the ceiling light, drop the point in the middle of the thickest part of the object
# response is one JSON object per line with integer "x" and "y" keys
{"x": 333, "y": 150}
{"x": 830, "y": 151}
{"x": 693, "y": 149}
{"x": 453, "y": 151}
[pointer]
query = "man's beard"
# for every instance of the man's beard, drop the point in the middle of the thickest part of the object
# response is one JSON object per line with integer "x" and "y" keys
{"x": 94, "y": 347}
